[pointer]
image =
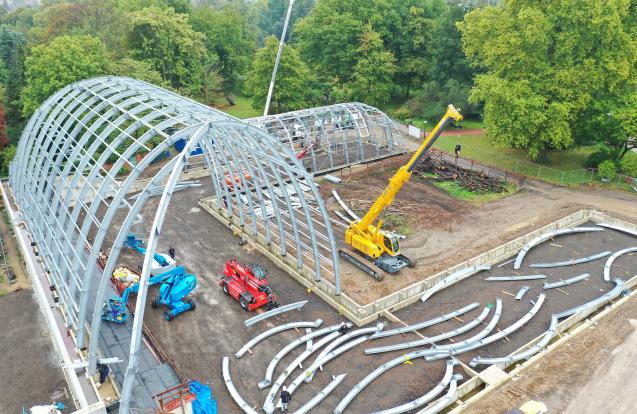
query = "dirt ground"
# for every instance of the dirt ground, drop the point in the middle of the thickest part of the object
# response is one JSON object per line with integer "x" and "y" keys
{"x": 449, "y": 231}
{"x": 199, "y": 340}
{"x": 593, "y": 373}
{"x": 30, "y": 373}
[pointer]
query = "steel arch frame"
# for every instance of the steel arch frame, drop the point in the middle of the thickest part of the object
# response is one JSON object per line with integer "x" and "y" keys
{"x": 69, "y": 193}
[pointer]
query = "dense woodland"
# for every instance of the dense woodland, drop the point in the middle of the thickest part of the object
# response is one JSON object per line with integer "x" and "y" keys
{"x": 542, "y": 75}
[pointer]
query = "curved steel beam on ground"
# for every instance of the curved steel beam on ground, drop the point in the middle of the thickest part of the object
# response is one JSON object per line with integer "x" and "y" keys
{"x": 435, "y": 349}
{"x": 572, "y": 262}
{"x": 444, "y": 402}
{"x": 609, "y": 263}
{"x": 372, "y": 376}
{"x": 610, "y": 295}
{"x": 521, "y": 292}
{"x": 269, "y": 372}
{"x": 238, "y": 399}
{"x": 495, "y": 337}
{"x": 552, "y": 331}
{"x": 345, "y": 206}
{"x": 542, "y": 238}
{"x": 453, "y": 278}
{"x": 424, "y": 399}
{"x": 514, "y": 278}
{"x": 618, "y": 228}
{"x": 273, "y": 312}
{"x": 351, "y": 334}
{"x": 268, "y": 404}
{"x": 304, "y": 376}
{"x": 425, "y": 324}
{"x": 425, "y": 341}
{"x": 566, "y": 282}
{"x": 263, "y": 335}
{"x": 305, "y": 408}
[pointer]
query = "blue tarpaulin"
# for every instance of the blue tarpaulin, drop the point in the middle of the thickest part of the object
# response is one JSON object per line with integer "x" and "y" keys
{"x": 204, "y": 403}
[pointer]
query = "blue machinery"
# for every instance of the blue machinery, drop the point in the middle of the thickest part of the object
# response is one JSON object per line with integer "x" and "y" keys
{"x": 176, "y": 284}
{"x": 64, "y": 189}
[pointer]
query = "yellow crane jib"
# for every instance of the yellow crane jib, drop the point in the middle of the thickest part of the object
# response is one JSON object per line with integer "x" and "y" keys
{"x": 366, "y": 235}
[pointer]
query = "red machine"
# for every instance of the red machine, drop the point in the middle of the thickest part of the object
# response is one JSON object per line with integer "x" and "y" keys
{"x": 248, "y": 285}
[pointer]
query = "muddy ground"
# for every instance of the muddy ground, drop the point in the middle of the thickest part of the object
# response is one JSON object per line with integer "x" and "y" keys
{"x": 593, "y": 373}
{"x": 199, "y": 340}
{"x": 30, "y": 373}
{"x": 448, "y": 231}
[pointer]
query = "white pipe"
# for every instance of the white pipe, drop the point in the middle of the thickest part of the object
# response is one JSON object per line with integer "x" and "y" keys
{"x": 278, "y": 59}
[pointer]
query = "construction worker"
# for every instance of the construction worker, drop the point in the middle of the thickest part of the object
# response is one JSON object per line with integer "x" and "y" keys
{"x": 343, "y": 329}
{"x": 171, "y": 252}
{"x": 285, "y": 399}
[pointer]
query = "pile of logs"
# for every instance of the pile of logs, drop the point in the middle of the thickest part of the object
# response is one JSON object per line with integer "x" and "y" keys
{"x": 475, "y": 181}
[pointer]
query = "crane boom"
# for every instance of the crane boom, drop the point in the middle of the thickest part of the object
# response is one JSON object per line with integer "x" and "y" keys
{"x": 404, "y": 173}
{"x": 368, "y": 237}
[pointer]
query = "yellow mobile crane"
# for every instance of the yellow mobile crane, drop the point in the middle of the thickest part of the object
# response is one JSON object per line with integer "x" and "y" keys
{"x": 381, "y": 246}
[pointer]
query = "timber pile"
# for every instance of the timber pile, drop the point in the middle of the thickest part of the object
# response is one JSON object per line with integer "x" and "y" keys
{"x": 475, "y": 181}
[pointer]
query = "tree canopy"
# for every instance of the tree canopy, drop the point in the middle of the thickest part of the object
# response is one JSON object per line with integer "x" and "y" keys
{"x": 545, "y": 62}
{"x": 64, "y": 60}
{"x": 294, "y": 85}
{"x": 164, "y": 38}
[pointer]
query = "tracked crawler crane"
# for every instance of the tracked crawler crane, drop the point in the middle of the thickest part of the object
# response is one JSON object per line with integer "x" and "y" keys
{"x": 366, "y": 235}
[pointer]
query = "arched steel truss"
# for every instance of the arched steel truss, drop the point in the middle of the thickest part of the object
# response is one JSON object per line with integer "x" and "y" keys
{"x": 335, "y": 136}
{"x": 66, "y": 181}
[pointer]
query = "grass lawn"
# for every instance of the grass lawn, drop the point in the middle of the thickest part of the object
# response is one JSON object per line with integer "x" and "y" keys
{"x": 454, "y": 189}
{"x": 242, "y": 108}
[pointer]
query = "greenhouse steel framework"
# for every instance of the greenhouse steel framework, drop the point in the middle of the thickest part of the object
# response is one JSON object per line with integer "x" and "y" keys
{"x": 74, "y": 169}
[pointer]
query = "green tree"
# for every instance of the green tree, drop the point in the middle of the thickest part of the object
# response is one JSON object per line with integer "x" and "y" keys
{"x": 272, "y": 14}
{"x": 165, "y": 40}
{"x": 137, "y": 70}
{"x": 329, "y": 37}
{"x": 6, "y": 156}
{"x": 100, "y": 18}
{"x": 294, "y": 83}
{"x": 62, "y": 61}
{"x": 231, "y": 35}
{"x": 12, "y": 53}
{"x": 373, "y": 74}
{"x": 544, "y": 63}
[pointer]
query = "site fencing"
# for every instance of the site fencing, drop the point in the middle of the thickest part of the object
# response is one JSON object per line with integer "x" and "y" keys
{"x": 494, "y": 163}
